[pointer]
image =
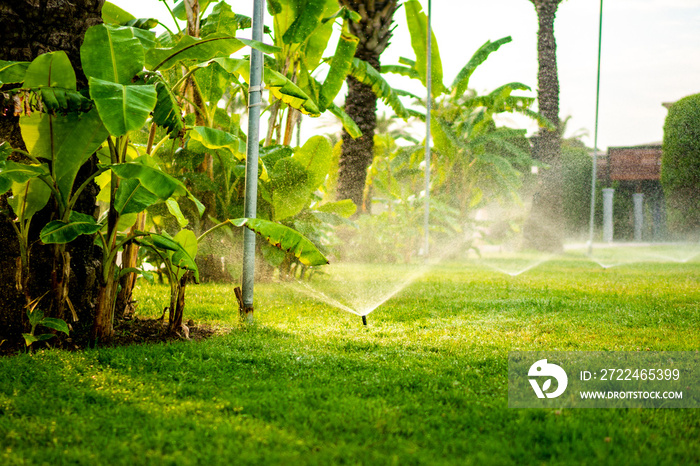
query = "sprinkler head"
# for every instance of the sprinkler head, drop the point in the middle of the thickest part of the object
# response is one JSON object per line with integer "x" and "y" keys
{"x": 364, "y": 321}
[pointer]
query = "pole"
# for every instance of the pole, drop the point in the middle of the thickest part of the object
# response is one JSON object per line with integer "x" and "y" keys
{"x": 428, "y": 105}
{"x": 251, "y": 168}
{"x": 594, "y": 174}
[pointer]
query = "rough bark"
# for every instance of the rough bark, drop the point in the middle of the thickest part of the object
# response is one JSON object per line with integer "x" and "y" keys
{"x": 30, "y": 28}
{"x": 374, "y": 32}
{"x": 543, "y": 230}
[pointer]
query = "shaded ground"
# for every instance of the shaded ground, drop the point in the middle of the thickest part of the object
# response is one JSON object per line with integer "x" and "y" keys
{"x": 136, "y": 330}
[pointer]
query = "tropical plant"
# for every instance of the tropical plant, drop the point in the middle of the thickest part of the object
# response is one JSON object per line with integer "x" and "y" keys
{"x": 475, "y": 160}
{"x": 300, "y": 36}
{"x": 301, "y": 32}
{"x": 37, "y": 318}
{"x": 60, "y": 27}
{"x": 61, "y": 128}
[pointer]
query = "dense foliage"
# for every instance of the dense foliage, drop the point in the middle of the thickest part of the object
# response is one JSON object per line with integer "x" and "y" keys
{"x": 680, "y": 164}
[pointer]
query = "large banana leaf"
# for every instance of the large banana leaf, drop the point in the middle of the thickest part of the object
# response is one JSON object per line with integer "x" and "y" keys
{"x": 270, "y": 155}
{"x": 50, "y": 70}
{"x": 167, "y": 112}
{"x": 348, "y": 123}
{"x": 123, "y": 108}
{"x": 366, "y": 74}
{"x": 183, "y": 257}
{"x": 289, "y": 93}
{"x": 157, "y": 182}
{"x": 131, "y": 197}
{"x": 51, "y": 76}
{"x": 315, "y": 156}
{"x": 112, "y": 14}
{"x": 5, "y": 150}
{"x": 221, "y": 20}
{"x": 212, "y": 82}
{"x": 461, "y": 82}
{"x": 12, "y": 72}
{"x": 200, "y": 50}
{"x": 13, "y": 172}
{"x": 67, "y": 140}
{"x": 290, "y": 192}
{"x": 278, "y": 84}
{"x": 314, "y": 46}
{"x": 418, "y": 27}
{"x": 284, "y": 238}
{"x": 111, "y": 53}
{"x": 341, "y": 63}
{"x": 28, "y": 198}
{"x": 345, "y": 208}
{"x": 216, "y": 139}
{"x": 307, "y": 17}
{"x": 58, "y": 231}
{"x": 178, "y": 254}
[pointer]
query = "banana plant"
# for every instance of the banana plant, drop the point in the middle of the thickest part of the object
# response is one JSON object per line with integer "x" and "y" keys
{"x": 58, "y": 143}
{"x": 479, "y": 159}
{"x": 302, "y": 31}
{"x": 177, "y": 253}
{"x": 36, "y": 318}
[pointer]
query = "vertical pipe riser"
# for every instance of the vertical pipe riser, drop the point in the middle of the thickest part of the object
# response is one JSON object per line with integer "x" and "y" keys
{"x": 428, "y": 108}
{"x": 594, "y": 172}
{"x": 251, "y": 175}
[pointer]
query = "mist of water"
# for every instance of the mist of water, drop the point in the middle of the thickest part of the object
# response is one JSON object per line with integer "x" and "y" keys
{"x": 361, "y": 288}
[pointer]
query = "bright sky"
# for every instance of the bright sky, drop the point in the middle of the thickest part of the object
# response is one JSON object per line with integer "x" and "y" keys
{"x": 651, "y": 55}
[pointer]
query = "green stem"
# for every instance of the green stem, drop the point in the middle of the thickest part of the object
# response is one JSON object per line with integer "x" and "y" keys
{"x": 160, "y": 143}
{"x": 166, "y": 27}
{"x": 215, "y": 227}
{"x": 172, "y": 15}
{"x": 184, "y": 78}
{"x": 28, "y": 155}
{"x": 80, "y": 189}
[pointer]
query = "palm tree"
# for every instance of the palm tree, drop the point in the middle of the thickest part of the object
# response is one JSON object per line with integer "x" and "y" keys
{"x": 543, "y": 229}
{"x": 55, "y": 26}
{"x": 374, "y": 31}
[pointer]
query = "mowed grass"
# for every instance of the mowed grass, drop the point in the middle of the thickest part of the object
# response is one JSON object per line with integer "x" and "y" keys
{"x": 424, "y": 383}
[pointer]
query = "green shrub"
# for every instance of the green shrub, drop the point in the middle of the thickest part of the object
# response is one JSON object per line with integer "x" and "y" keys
{"x": 680, "y": 164}
{"x": 576, "y": 173}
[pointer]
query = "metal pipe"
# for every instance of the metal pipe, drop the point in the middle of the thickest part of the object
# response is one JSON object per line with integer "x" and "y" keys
{"x": 251, "y": 170}
{"x": 594, "y": 173}
{"x": 428, "y": 108}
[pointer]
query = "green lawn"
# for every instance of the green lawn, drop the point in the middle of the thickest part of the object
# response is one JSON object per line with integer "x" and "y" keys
{"x": 424, "y": 383}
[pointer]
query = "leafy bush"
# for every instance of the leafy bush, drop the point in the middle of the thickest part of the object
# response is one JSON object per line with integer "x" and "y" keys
{"x": 680, "y": 164}
{"x": 576, "y": 172}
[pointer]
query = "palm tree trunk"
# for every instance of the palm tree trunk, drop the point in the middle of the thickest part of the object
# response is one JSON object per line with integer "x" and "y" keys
{"x": 357, "y": 154}
{"x": 374, "y": 32}
{"x": 543, "y": 230}
{"x": 31, "y": 28}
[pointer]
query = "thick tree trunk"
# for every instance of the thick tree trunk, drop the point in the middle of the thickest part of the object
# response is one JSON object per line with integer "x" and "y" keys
{"x": 30, "y": 28}
{"x": 543, "y": 230}
{"x": 357, "y": 154}
{"x": 374, "y": 32}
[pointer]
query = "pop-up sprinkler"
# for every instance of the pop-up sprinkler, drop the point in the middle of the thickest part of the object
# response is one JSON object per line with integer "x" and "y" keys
{"x": 364, "y": 321}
